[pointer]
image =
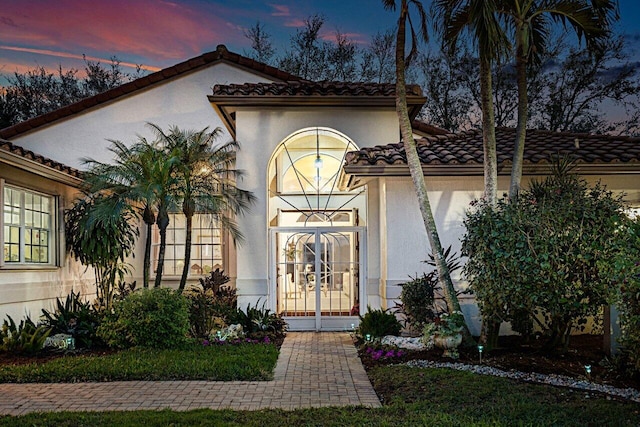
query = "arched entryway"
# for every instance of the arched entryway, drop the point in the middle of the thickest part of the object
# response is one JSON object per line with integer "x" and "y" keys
{"x": 317, "y": 234}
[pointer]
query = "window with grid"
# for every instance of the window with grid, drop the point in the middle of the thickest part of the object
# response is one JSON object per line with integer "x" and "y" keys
{"x": 206, "y": 246}
{"x": 27, "y": 227}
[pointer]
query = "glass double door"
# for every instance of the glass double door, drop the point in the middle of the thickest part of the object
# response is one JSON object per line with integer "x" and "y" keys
{"x": 317, "y": 275}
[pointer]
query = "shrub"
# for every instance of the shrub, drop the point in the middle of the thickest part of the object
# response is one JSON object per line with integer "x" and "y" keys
{"x": 154, "y": 318}
{"x": 421, "y": 299}
{"x": 74, "y": 317}
{"x": 378, "y": 323}
{"x": 210, "y": 305}
{"x": 258, "y": 322}
{"x": 544, "y": 255}
{"x": 417, "y": 299}
{"x": 25, "y": 338}
{"x": 626, "y": 267}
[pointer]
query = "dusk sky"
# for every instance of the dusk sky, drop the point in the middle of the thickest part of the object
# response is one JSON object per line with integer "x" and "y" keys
{"x": 160, "y": 33}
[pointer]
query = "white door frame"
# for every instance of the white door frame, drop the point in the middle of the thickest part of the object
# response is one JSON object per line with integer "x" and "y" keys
{"x": 341, "y": 322}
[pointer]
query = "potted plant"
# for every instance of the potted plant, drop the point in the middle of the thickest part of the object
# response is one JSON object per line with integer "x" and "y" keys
{"x": 446, "y": 332}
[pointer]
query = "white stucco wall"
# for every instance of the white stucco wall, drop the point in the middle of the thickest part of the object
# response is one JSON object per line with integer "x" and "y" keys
{"x": 181, "y": 102}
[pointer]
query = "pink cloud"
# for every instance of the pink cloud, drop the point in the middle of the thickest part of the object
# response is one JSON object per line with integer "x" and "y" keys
{"x": 295, "y": 23}
{"x": 75, "y": 56}
{"x": 153, "y": 29}
{"x": 280, "y": 10}
{"x": 357, "y": 38}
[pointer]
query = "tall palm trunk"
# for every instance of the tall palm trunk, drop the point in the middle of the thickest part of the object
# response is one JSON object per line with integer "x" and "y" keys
{"x": 188, "y": 209}
{"x": 163, "y": 224}
{"x": 149, "y": 219}
{"x": 490, "y": 327}
{"x": 488, "y": 131}
{"x": 417, "y": 175}
{"x": 523, "y": 104}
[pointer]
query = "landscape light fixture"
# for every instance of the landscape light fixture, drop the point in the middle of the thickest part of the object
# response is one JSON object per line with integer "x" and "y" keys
{"x": 70, "y": 343}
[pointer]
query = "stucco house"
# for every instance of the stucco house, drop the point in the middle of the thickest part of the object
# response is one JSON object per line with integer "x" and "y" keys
{"x": 336, "y": 225}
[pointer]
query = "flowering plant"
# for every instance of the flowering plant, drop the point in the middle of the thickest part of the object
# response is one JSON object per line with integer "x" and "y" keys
{"x": 383, "y": 353}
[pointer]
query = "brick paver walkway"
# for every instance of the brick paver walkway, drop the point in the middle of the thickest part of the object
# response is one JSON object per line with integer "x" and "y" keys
{"x": 313, "y": 370}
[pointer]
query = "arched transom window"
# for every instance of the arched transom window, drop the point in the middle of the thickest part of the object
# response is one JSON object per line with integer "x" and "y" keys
{"x": 304, "y": 180}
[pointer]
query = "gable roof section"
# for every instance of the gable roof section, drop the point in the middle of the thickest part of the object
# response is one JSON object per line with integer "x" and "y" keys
{"x": 16, "y": 156}
{"x": 461, "y": 154}
{"x": 226, "y": 99}
{"x": 221, "y": 54}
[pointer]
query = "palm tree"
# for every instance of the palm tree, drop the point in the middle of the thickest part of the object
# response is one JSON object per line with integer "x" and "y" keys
{"x": 204, "y": 181}
{"x": 413, "y": 160}
{"x": 479, "y": 18}
{"x": 529, "y": 20}
{"x": 137, "y": 178}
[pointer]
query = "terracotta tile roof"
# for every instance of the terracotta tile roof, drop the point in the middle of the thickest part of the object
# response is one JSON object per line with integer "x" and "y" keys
{"x": 220, "y": 54}
{"x": 465, "y": 149}
{"x": 9, "y": 147}
{"x": 306, "y": 88}
{"x": 226, "y": 99}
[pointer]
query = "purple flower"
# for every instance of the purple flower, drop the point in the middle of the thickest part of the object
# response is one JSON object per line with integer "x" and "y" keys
{"x": 205, "y": 342}
{"x": 390, "y": 353}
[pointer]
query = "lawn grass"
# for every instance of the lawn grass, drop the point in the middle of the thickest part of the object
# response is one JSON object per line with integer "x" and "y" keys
{"x": 244, "y": 362}
{"x": 412, "y": 396}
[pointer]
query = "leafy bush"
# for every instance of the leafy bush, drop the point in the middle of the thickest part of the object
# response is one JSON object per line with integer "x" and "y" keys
{"x": 422, "y": 299}
{"x": 25, "y": 338}
{"x": 417, "y": 299}
{"x": 544, "y": 254}
{"x": 73, "y": 317}
{"x": 210, "y": 305}
{"x": 378, "y": 323}
{"x": 626, "y": 267}
{"x": 154, "y": 318}
{"x": 258, "y": 322}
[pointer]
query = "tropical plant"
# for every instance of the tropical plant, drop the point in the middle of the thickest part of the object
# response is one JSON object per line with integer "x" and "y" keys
{"x": 479, "y": 18}
{"x": 421, "y": 299}
{"x": 529, "y": 20}
{"x": 74, "y": 317}
{"x": 258, "y": 322}
{"x": 23, "y": 338}
{"x": 154, "y": 318}
{"x": 100, "y": 232}
{"x": 378, "y": 323}
{"x": 137, "y": 179}
{"x": 413, "y": 159}
{"x": 212, "y": 305}
{"x": 203, "y": 181}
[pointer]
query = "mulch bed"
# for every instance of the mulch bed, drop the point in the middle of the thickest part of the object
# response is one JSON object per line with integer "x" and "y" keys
{"x": 514, "y": 354}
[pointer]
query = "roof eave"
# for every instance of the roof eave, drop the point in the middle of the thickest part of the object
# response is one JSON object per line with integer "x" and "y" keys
{"x": 358, "y": 174}
{"x": 226, "y": 105}
{"x": 44, "y": 171}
